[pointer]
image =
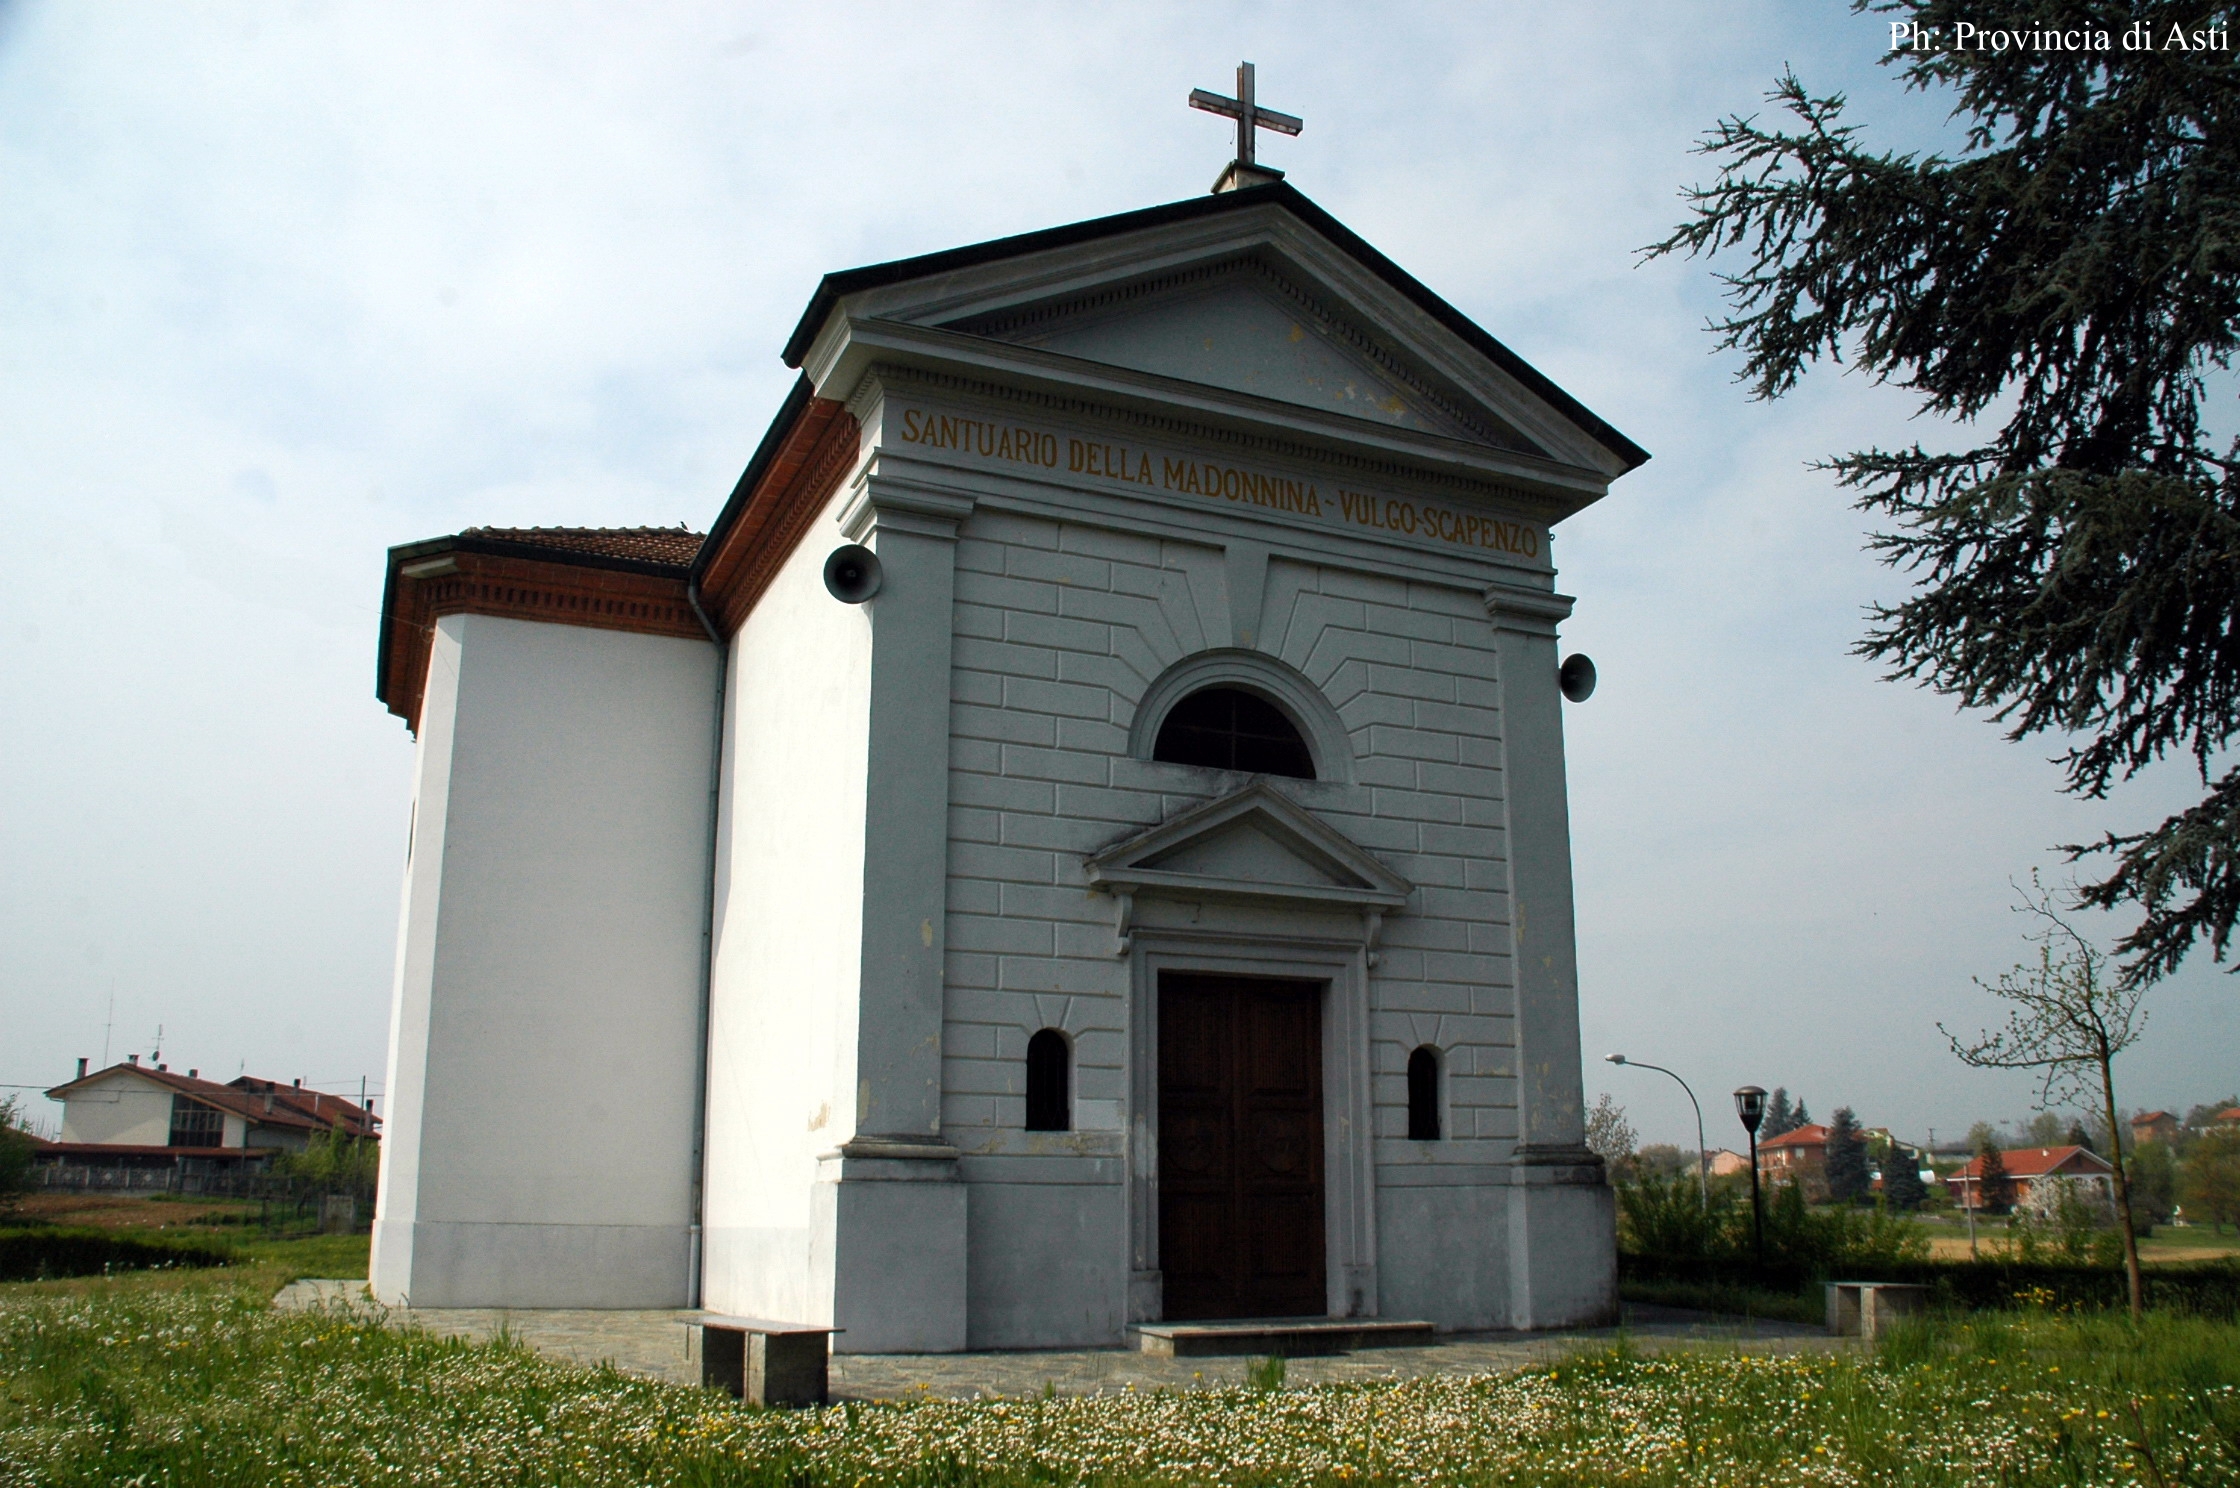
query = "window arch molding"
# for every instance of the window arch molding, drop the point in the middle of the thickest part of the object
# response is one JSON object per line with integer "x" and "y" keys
{"x": 1264, "y": 677}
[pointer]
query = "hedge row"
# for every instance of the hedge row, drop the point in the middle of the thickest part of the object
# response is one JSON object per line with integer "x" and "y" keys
{"x": 39, "y": 1254}
{"x": 2211, "y": 1289}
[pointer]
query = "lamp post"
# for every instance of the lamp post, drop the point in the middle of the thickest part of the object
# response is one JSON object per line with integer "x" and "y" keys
{"x": 1750, "y": 1105}
{"x": 1703, "y": 1158}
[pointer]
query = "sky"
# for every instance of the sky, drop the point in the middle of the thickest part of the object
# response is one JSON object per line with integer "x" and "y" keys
{"x": 284, "y": 284}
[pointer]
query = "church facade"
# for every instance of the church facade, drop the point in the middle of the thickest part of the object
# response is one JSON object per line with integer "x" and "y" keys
{"x": 1081, "y": 841}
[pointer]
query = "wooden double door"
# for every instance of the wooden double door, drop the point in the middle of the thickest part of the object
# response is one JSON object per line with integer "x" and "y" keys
{"x": 1240, "y": 1147}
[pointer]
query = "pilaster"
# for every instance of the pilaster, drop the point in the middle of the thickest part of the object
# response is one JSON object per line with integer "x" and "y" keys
{"x": 891, "y": 1203}
{"x": 1562, "y": 1240}
{"x": 913, "y": 529}
{"x": 1550, "y": 1113}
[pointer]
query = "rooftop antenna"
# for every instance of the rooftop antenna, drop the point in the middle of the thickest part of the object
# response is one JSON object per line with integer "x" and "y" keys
{"x": 109, "y": 1025}
{"x": 157, "y": 1056}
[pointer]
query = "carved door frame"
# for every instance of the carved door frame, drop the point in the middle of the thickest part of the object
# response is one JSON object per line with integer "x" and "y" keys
{"x": 1337, "y": 963}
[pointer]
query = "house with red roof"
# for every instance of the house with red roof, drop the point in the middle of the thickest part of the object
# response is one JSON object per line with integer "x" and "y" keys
{"x": 2027, "y": 1166}
{"x": 132, "y": 1115}
{"x": 1795, "y": 1156}
{"x": 2154, "y": 1126}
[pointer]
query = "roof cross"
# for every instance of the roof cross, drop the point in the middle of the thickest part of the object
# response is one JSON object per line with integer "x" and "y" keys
{"x": 1246, "y": 111}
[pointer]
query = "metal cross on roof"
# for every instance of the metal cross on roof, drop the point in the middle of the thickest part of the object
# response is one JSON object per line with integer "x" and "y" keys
{"x": 1249, "y": 115}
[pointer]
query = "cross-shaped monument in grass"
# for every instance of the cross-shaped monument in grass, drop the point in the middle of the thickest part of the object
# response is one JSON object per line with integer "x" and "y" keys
{"x": 1251, "y": 118}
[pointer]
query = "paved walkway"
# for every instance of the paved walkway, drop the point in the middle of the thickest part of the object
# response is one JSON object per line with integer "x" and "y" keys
{"x": 663, "y": 1345}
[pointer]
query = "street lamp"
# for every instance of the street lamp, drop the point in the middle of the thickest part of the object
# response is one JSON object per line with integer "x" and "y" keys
{"x": 1703, "y": 1158}
{"x": 1750, "y": 1105}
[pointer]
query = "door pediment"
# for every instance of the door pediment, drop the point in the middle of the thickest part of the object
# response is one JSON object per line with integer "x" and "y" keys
{"x": 1253, "y": 844}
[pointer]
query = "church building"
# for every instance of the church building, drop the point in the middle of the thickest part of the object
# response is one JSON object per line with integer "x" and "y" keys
{"x": 1081, "y": 841}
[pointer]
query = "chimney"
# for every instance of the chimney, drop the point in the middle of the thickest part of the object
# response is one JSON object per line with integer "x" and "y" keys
{"x": 165, "y": 1068}
{"x": 133, "y": 1060}
{"x": 299, "y": 1082}
{"x": 81, "y": 1069}
{"x": 194, "y": 1074}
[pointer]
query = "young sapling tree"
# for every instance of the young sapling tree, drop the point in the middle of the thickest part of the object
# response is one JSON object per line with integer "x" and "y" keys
{"x": 2067, "y": 1020}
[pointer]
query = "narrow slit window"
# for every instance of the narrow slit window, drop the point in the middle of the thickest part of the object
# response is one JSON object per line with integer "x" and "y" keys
{"x": 1049, "y": 1082}
{"x": 1227, "y": 728}
{"x": 1423, "y": 1095}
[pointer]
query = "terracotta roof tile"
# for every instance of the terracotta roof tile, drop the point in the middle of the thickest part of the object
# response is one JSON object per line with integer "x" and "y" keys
{"x": 671, "y": 545}
{"x": 2036, "y": 1162}
{"x": 292, "y": 1106}
{"x": 1814, "y": 1135}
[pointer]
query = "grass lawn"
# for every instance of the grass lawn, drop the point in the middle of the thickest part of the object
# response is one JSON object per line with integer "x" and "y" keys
{"x": 2169, "y": 1244}
{"x": 293, "y": 1247}
{"x": 191, "y": 1379}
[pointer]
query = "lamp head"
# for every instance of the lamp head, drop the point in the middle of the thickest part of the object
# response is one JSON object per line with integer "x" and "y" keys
{"x": 1614, "y": 1058}
{"x": 1750, "y": 1105}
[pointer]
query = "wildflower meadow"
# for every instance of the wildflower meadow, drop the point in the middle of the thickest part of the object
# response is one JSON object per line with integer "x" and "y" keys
{"x": 182, "y": 1381}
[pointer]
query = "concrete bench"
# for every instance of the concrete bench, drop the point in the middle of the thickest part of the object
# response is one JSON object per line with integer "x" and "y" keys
{"x": 1865, "y": 1308}
{"x": 766, "y": 1362}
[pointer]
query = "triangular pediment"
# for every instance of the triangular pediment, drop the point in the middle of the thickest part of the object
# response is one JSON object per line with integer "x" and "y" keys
{"x": 1252, "y": 327}
{"x": 1251, "y": 310}
{"x": 1253, "y": 844}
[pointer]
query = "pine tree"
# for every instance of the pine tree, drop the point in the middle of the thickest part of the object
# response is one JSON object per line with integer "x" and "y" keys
{"x": 2079, "y": 1137}
{"x": 1777, "y": 1118}
{"x": 1800, "y": 1116}
{"x": 1902, "y": 1188}
{"x": 1994, "y": 1189}
{"x": 1847, "y": 1158}
{"x": 2066, "y": 277}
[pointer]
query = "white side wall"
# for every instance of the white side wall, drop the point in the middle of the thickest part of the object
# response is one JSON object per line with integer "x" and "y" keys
{"x": 542, "y": 1070}
{"x": 119, "y": 1110}
{"x": 789, "y": 922}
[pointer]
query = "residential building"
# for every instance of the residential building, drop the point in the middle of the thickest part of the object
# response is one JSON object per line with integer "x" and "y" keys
{"x": 2154, "y": 1126}
{"x": 136, "y": 1115}
{"x": 1796, "y": 1155}
{"x": 2027, "y": 1166}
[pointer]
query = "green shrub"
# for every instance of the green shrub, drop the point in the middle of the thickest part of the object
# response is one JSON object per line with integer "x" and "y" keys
{"x": 15, "y": 1154}
{"x": 335, "y": 1162}
{"x": 39, "y": 1254}
{"x": 1669, "y": 1220}
{"x": 2207, "y": 1290}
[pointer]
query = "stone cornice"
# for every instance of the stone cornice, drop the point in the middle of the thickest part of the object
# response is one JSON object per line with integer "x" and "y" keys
{"x": 1534, "y": 610}
{"x": 1541, "y": 504}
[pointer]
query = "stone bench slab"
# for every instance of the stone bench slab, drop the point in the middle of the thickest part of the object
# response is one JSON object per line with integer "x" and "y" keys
{"x": 1865, "y": 1308}
{"x": 765, "y": 1361}
{"x": 1291, "y": 1337}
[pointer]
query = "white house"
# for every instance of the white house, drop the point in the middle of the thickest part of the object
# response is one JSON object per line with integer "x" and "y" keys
{"x": 132, "y": 1114}
{"x": 1135, "y": 886}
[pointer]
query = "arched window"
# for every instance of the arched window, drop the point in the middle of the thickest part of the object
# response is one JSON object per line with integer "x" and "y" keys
{"x": 1423, "y": 1095}
{"x": 1049, "y": 1078}
{"x": 1228, "y": 728}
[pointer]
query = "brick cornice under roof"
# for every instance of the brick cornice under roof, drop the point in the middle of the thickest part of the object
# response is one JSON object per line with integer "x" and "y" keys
{"x": 609, "y": 578}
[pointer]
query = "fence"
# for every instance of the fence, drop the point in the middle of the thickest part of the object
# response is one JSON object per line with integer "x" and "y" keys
{"x": 342, "y": 1208}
